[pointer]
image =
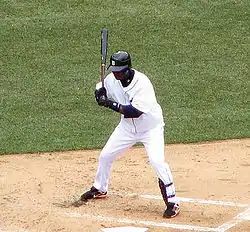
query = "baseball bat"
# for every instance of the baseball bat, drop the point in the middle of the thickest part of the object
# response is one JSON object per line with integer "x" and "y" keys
{"x": 104, "y": 49}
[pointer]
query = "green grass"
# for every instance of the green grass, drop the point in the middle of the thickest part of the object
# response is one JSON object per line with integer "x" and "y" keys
{"x": 195, "y": 53}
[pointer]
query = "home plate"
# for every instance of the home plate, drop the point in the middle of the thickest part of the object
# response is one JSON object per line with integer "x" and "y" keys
{"x": 125, "y": 229}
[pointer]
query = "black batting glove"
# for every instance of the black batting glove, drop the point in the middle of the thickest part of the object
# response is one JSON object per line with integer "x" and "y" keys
{"x": 100, "y": 92}
{"x": 104, "y": 101}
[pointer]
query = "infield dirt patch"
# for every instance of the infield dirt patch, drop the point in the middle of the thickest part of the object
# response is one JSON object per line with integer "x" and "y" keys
{"x": 33, "y": 188}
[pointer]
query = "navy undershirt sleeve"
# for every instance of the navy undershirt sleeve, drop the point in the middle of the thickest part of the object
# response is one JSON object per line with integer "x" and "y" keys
{"x": 131, "y": 112}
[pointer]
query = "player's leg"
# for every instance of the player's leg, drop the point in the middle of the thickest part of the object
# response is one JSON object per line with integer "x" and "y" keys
{"x": 118, "y": 142}
{"x": 154, "y": 144}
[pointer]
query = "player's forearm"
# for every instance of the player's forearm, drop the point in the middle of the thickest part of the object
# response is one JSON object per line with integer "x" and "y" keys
{"x": 127, "y": 110}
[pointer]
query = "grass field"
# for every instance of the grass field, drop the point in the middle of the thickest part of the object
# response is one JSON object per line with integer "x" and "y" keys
{"x": 195, "y": 52}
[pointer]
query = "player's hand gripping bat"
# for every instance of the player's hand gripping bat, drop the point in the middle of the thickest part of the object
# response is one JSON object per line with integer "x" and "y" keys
{"x": 104, "y": 49}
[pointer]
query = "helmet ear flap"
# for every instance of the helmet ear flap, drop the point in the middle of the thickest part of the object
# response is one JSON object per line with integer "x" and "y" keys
{"x": 126, "y": 74}
{"x": 129, "y": 63}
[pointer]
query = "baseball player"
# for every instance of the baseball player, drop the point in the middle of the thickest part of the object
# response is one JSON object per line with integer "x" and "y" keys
{"x": 130, "y": 93}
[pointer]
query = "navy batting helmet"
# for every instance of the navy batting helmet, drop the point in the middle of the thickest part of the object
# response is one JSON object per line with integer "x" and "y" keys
{"x": 119, "y": 61}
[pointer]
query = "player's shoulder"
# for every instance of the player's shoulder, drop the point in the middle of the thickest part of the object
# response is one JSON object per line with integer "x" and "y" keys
{"x": 141, "y": 77}
{"x": 110, "y": 78}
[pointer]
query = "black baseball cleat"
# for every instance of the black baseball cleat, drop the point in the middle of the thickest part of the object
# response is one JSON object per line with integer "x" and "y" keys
{"x": 93, "y": 193}
{"x": 173, "y": 209}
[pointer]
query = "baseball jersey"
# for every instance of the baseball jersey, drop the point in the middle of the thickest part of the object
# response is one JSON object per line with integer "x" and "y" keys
{"x": 140, "y": 94}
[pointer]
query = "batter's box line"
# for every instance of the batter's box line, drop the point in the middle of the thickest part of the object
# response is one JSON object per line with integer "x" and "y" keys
{"x": 223, "y": 228}
{"x": 188, "y": 200}
{"x": 239, "y": 218}
{"x": 243, "y": 216}
{"x": 140, "y": 222}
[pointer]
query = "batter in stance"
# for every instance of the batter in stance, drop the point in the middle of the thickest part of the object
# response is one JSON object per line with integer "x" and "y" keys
{"x": 130, "y": 93}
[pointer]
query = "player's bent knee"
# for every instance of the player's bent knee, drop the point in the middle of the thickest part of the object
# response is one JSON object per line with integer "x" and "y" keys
{"x": 156, "y": 164}
{"x": 105, "y": 158}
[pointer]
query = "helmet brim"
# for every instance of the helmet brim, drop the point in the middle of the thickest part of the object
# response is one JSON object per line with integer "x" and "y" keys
{"x": 117, "y": 68}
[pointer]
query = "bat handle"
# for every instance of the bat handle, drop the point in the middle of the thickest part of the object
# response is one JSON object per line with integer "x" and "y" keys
{"x": 103, "y": 70}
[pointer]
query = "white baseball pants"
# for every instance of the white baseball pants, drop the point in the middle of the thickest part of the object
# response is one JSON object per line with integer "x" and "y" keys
{"x": 120, "y": 140}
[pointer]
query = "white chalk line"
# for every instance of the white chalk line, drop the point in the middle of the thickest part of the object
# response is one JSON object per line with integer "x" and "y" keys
{"x": 189, "y": 200}
{"x": 18, "y": 230}
{"x": 140, "y": 222}
{"x": 243, "y": 216}
{"x": 239, "y": 218}
{"x": 223, "y": 228}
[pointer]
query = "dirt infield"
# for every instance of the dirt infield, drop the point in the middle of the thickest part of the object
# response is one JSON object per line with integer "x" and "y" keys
{"x": 212, "y": 181}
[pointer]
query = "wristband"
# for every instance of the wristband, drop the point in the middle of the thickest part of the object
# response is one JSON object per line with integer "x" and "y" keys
{"x": 113, "y": 105}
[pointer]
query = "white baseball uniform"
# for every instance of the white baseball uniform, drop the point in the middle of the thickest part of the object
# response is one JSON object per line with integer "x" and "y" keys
{"x": 147, "y": 129}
